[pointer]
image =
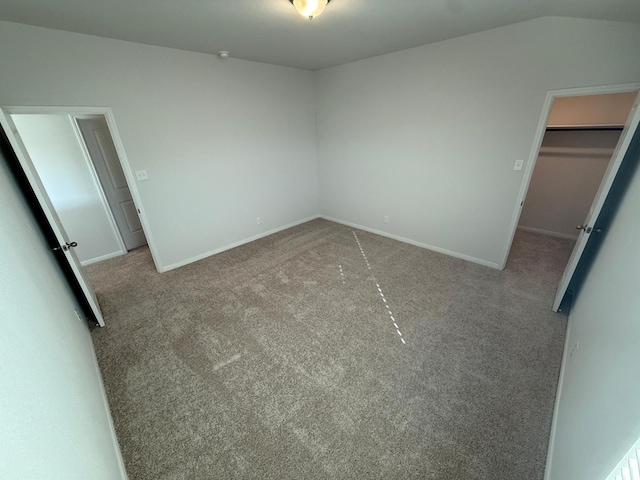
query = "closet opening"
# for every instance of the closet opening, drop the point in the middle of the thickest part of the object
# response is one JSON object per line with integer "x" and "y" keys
{"x": 582, "y": 155}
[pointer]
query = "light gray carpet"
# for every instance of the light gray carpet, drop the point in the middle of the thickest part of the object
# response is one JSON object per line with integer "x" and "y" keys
{"x": 269, "y": 361}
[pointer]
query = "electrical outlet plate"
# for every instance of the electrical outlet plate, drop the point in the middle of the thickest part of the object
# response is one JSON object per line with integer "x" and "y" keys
{"x": 258, "y": 220}
{"x": 141, "y": 175}
{"x": 385, "y": 219}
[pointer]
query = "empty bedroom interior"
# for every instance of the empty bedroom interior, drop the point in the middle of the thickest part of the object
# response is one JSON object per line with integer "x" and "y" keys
{"x": 330, "y": 288}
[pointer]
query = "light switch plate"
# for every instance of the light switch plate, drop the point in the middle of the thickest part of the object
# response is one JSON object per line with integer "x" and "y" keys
{"x": 141, "y": 175}
{"x": 518, "y": 165}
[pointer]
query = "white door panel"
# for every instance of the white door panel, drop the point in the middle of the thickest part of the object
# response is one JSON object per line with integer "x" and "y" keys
{"x": 107, "y": 151}
{"x": 107, "y": 164}
{"x": 131, "y": 216}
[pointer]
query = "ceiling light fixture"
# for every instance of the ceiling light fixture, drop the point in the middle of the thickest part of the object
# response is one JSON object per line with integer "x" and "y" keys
{"x": 310, "y": 8}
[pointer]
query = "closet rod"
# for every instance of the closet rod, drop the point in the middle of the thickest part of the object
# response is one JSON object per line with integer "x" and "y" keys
{"x": 584, "y": 127}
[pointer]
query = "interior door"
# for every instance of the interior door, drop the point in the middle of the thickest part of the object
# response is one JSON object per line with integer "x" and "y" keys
{"x": 65, "y": 244}
{"x": 97, "y": 138}
{"x": 596, "y": 207}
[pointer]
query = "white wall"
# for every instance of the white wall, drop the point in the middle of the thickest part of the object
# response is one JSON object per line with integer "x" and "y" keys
{"x": 565, "y": 180}
{"x": 609, "y": 109}
{"x": 66, "y": 174}
{"x": 54, "y": 420}
{"x": 223, "y": 142}
{"x": 597, "y": 417}
{"x": 428, "y": 136}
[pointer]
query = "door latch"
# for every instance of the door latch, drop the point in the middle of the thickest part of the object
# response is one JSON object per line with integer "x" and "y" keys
{"x": 66, "y": 246}
{"x": 585, "y": 228}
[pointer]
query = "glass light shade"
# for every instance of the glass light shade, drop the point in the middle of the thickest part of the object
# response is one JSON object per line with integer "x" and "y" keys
{"x": 310, "y": 8}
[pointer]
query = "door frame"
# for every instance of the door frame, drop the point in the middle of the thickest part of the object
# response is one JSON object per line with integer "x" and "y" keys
{"x": 98, "y": 182}
{"x": 537, "y": 143}
{"x": 109, "y": 116}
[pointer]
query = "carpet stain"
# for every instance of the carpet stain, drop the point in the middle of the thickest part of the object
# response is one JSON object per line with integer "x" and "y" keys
{"x": 282, "y": 276}
{"x": 218, "y": 366}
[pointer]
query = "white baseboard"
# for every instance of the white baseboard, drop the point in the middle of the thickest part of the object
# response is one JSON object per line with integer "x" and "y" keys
{"x": 415, "y": 243}
{"x": 105, "y": 403}
{"x": 182, "y": 263}
{"x": 547, "y": 232}
{"x": 103, "y": 257}
{"x": 336, "y": 220}
{"x": 554, "y": 422}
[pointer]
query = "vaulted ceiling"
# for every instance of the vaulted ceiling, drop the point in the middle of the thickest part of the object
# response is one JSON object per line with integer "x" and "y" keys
{"x": 272, "y": 31}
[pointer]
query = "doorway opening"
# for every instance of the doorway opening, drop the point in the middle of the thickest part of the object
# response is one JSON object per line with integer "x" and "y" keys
{"x": 75, "y": 158}
{"x": 581, "y": 143}
{"x": 572, "y": 161}
{"x": 59, "y": 143}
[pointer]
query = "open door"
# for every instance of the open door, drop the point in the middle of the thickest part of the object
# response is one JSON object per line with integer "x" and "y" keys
{"x": 64, "y": 243}
{"x": 598, "y": 202}
{"x": 104, "y": 157}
